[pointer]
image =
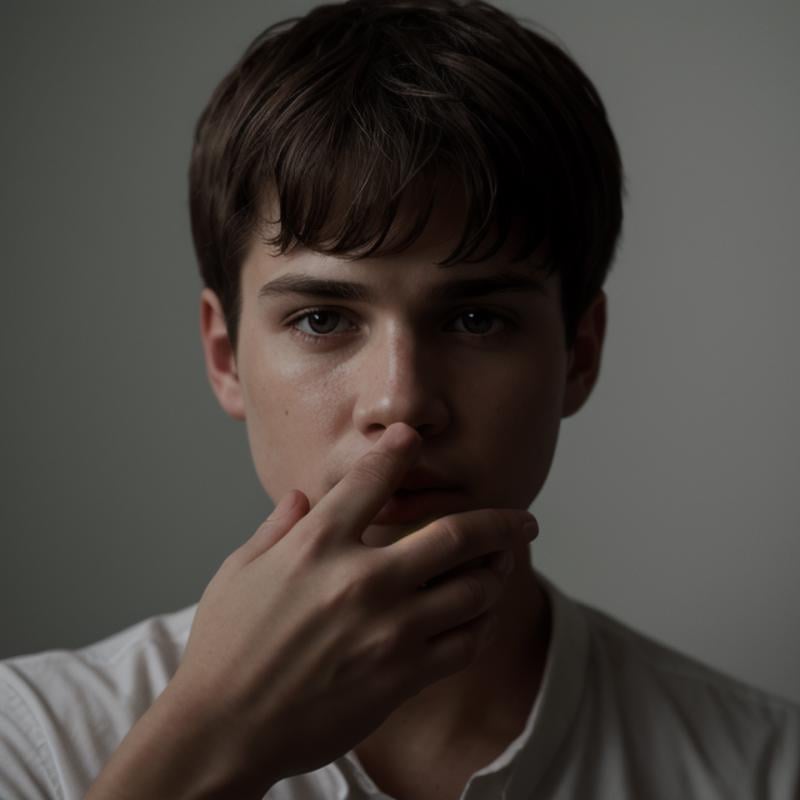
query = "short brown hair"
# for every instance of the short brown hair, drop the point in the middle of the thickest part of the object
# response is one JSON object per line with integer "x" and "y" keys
{"x": 350, "y": 105}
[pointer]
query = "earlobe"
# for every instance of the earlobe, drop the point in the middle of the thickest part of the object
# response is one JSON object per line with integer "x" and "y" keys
{"x": 584, "y": 357}
{"x": 219, "y": 356}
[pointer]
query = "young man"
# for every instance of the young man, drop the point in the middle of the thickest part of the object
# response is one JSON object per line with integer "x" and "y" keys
{"x": 404, "y": 214}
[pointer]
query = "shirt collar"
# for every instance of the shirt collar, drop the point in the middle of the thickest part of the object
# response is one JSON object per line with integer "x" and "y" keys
{"x": 557, "y": 702}
{"x": 518, "y": 769}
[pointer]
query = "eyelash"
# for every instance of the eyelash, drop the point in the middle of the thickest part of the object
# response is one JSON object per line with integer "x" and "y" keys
{"x": 318, "y": 338}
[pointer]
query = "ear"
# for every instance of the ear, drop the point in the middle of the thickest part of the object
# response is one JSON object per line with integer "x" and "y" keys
{"x": 584, "y": 357}
{"x": 220, "y": 356}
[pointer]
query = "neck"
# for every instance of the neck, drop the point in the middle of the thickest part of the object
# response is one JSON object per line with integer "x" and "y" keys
{"x": 506, "y": 677}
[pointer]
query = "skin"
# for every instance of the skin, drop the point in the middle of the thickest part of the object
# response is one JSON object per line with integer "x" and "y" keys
{"x": 487, "y": 395}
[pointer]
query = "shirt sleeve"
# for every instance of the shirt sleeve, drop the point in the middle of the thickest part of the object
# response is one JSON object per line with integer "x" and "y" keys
{"x": 27, "y": 768}
{"x": 783, "y": 780}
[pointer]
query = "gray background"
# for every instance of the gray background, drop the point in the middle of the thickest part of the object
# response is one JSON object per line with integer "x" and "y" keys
{"x": 672, "y": 502}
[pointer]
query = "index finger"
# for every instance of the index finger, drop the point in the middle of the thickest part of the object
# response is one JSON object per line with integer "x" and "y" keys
{"x": 353, "y": 502}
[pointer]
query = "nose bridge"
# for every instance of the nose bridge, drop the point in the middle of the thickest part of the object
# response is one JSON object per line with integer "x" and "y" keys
{"x": 398, "y": 346}
{"x": 398, "y": 380}
{"x": 396, "y": 361}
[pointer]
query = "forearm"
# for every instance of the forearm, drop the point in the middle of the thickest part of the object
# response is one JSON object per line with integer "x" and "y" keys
{"x": 176, "y": 751}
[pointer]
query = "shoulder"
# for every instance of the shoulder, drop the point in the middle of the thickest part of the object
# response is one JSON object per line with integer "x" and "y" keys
{"x": 638, "y": 660}
{"x": 634, "y": 717}
{"x": 63, "y": 712}
{"x": 131, "y": 667}
{"x": 674, "y": 709}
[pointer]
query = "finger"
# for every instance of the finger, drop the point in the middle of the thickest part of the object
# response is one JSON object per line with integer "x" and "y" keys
{"x": 500, "y": 561}
{"x": 450, "y": 541}
{"x": 457, "y": 648}
{"x": 351, "y": 505}
{"x": 454, "y": 601}
{"x": 292, "y": 507}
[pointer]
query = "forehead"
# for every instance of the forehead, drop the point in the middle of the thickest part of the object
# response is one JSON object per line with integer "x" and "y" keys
{"x": 417, "y": 267}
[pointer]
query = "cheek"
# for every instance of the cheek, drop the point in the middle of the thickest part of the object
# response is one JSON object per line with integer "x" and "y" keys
{"x": 520, "y": 429}
{"x": 288, "y": 413}
{"x": 526, "y": 424}
{"x": 525, "y": 394}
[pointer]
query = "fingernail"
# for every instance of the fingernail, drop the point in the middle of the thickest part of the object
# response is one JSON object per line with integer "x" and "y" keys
{"x": 286, "y": 503}
{"x": 389, "y": 436}
{"x": 394, "y": 435}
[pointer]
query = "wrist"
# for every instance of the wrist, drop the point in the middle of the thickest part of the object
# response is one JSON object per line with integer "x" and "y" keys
{"x": 180, "y": 750}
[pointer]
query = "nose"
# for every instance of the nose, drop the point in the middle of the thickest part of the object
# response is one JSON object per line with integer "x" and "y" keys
{"x": 398, "y": 380}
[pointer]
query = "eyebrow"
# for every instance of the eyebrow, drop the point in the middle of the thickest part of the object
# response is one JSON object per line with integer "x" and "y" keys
{"x": 301, "y": 284}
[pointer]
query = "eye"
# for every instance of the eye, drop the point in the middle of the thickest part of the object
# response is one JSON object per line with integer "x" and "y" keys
{"x": 483, "y": 317}
{"x": 320, "y": 321}
{"x": 323, "y": 322}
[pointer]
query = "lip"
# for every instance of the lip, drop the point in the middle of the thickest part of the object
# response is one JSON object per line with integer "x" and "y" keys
{"x": 410, "y": 506}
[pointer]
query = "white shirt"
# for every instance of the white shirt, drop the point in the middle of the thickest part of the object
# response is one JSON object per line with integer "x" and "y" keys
{"x": 618, "y": 716}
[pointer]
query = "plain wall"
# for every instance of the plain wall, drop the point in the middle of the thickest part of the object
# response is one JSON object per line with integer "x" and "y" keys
{"x": 672, "y": 502}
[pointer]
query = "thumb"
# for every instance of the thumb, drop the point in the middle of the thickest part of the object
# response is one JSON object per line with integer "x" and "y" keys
{"x": 292, "y": 507}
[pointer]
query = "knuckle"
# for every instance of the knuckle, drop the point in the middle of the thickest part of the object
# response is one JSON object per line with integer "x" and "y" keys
{"x": 451, "y": 539}
{"x": 325, "y": 525}
{"x": 382, "y": 579}
{"x": 383, "y": 646}
{"x": 233, "y": 562}
{"x": 505, "y": 528}
{"x": 306, "y": 554}
{"x": 312, "y": 541}
{"x": 408, "y": 629}
{"x": 475, "y": 593}
{"x": 353, "y": 587}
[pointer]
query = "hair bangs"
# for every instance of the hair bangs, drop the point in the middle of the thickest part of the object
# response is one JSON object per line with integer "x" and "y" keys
{"x": 397, "y": 129}
{"x": 353, "y": 123}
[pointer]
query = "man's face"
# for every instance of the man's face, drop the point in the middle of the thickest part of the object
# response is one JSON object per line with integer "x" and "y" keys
{"x": 484, "y": 379}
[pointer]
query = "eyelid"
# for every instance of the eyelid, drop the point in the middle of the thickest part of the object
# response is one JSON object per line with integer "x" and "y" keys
{"x": 312, "y": 309}
{"x": 301, "y": 315}
{"x": 315, "y": 309}
{"x": 508, "y": 321}
{"x": 345, "y": 312}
